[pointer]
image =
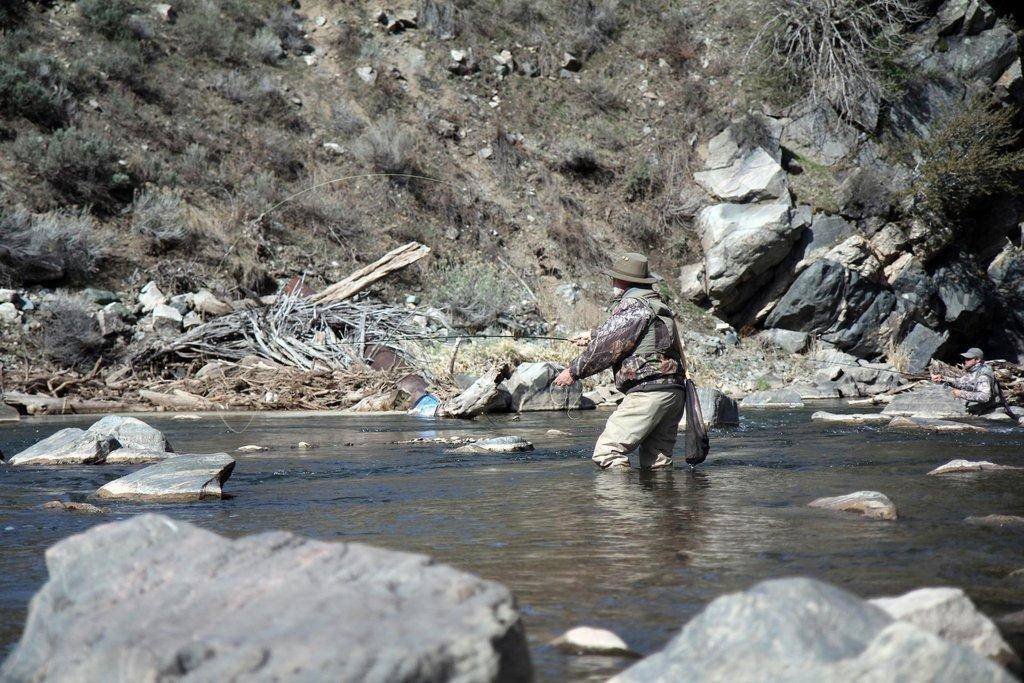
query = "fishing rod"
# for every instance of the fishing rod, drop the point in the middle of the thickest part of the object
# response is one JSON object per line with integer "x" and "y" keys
{"x": 475, "y": 336}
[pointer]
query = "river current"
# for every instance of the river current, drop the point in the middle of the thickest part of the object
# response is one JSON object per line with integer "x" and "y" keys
{"x": 638, "y": 553}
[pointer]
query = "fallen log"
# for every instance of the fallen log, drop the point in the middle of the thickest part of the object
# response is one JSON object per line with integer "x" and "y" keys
{"x": 474, "y": 400}
{"x": 362, "y": 278}
{"x": 35, "y": 404}
{"x": 177, "y": 400}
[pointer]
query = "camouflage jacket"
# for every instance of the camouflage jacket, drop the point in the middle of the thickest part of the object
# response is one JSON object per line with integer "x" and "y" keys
{"x": 614, "y": 343}
{"x": 977, "y": 386}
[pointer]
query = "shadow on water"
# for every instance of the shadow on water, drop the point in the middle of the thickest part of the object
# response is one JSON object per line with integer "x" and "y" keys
{"x": 639, "y": 553}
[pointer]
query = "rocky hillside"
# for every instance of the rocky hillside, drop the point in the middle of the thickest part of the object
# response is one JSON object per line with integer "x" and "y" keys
{"x": 864, "y": 190}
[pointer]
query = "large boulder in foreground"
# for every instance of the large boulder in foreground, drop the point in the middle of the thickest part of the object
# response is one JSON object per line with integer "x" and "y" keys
{"x": 806, "y": 630}
{"x": 180, "y": 478}
{"x": 930, "y": 401}
{"x": 532, "y": 389}
{"x": 71, "y": 446}
{"x": 155, "y": 599}
{"x": 950, "y": 614}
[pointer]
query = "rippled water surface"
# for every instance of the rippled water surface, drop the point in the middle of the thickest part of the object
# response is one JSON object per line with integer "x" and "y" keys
{"x": 634, "y": 552}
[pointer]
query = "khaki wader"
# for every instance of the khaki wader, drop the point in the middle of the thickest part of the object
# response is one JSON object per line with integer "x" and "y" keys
{"x": 645, "y": 419}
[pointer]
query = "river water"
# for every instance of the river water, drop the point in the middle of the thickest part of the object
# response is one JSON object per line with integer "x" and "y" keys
{"x": 639, "y": 553}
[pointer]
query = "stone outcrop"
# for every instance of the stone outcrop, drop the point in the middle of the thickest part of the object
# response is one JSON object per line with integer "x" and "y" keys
{"x": 71, "y": 446}
{"x": 871, "y": 504}
{"x": 272, "y": 606}
{"x": 180, "y": 478}
{"x": 753, "y": 176}
{"x": 531, "y": 388}
{"x": 805, "y": 630}
{"x": 950, "y": 614}
{"x": 742, "y": 243}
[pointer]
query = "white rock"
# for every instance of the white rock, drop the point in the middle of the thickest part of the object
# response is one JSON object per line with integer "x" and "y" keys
{"x": 71, "y": 446}
{"x": 586, "y": 640}
{"x": 9, "y": 314}
{"x": 950, "y": 614}
{"x": 165, "y": 12}
{"x": 180, "y": 478}
{"x": 871, "y": 504}
{"x": 367, "y": 74}
{"x": 166, "y": 318}
{"x": 205, "y": 302}
{"x": 498, "y": 444}
{"x": 969, "y": 466}
{"x": 251, "y": 448}
{"x": 933, "y": 425}
{"x": 321, "y": 21}
{"x": 191, "y": 320}
{"x": 754, "y": 176}
{"x": 310, "y": 60}
{"x": 334, "y": 148}
{"x": 150, "y": 297}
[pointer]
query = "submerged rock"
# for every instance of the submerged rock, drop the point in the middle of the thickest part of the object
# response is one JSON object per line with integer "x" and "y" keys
{"x": 251, "y": 448}
{"x": 950, "y": 614}
{"x": 773, "y": 398}
{"x": 83, "y": 508}
{"x": 851, "y": 418}
{"x": 805, "y": 630}
{"x": 71, "y": 446}
{"x": 586, "y": 640}
{"x": 971, "y": 466}
{"x": 997, "y": 521}
{"x": 8, "y": 413}
{"x": 871, "y": 504}
{"x": 272, "y": 606}
{"x": 498, "y": 444}
{"x": 180, "y": 478}
{"x": 933, "y": 425}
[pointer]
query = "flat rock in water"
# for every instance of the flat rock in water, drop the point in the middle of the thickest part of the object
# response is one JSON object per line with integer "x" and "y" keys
{"x": 773, "y": 398}
{"x": 83, "y": 508}
{"x": 805, "y": 630}
{"x": 930, "y": 401}
{"x": 499, "y": 444}
{"x": 851, "y": 418}
{"x": 151, "y": 599}
{"x": 71, "y": 446}
{"x": 251, "y": 448}
{"x": 556, "y": 432}
{"x": 132, "y": 433}
{"x": 871, "y": 504}
{"x": 1012, "y": 521}
{"x": 971, "y": 466}
{"x": 950, "y": 614}
{"x": 586, "y": 640}
{"x": 181, "y": 478}
{"x": 933, "y": 424}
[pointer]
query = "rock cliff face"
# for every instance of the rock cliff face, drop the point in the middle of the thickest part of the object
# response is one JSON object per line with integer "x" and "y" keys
{"x": 868, "y": 270}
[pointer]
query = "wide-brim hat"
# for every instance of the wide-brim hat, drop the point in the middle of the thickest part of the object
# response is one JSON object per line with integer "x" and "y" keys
{"x": 632, "y": 267}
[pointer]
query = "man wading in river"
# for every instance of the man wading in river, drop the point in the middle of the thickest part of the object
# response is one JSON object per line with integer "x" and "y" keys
{"x": 978, "y": 386}
{"x": 641, "y": 345}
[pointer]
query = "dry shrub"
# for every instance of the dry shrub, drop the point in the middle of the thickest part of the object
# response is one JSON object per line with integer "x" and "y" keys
{"x": 109, "y": 18}
{"x": 33, "y": 85}
{"x": 346, "y": 122}
{"x": 266, "y": 46}
{"x": 388, "y": 147}
{"x": 972, "y": 154}
{"x": 81, "y": 166}
{"x": 438, "y": 17}
{"x": 54, "y": 246}
{"x": 70, "y": 336}
{"x": 475, "y": 293}
{"x": 161, "y": 219}
{"x": 595, "y": 23}
{"x": 828, "y": 50}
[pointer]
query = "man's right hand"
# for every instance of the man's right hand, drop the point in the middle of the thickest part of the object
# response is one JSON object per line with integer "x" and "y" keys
{"x": 937, "y": 378}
